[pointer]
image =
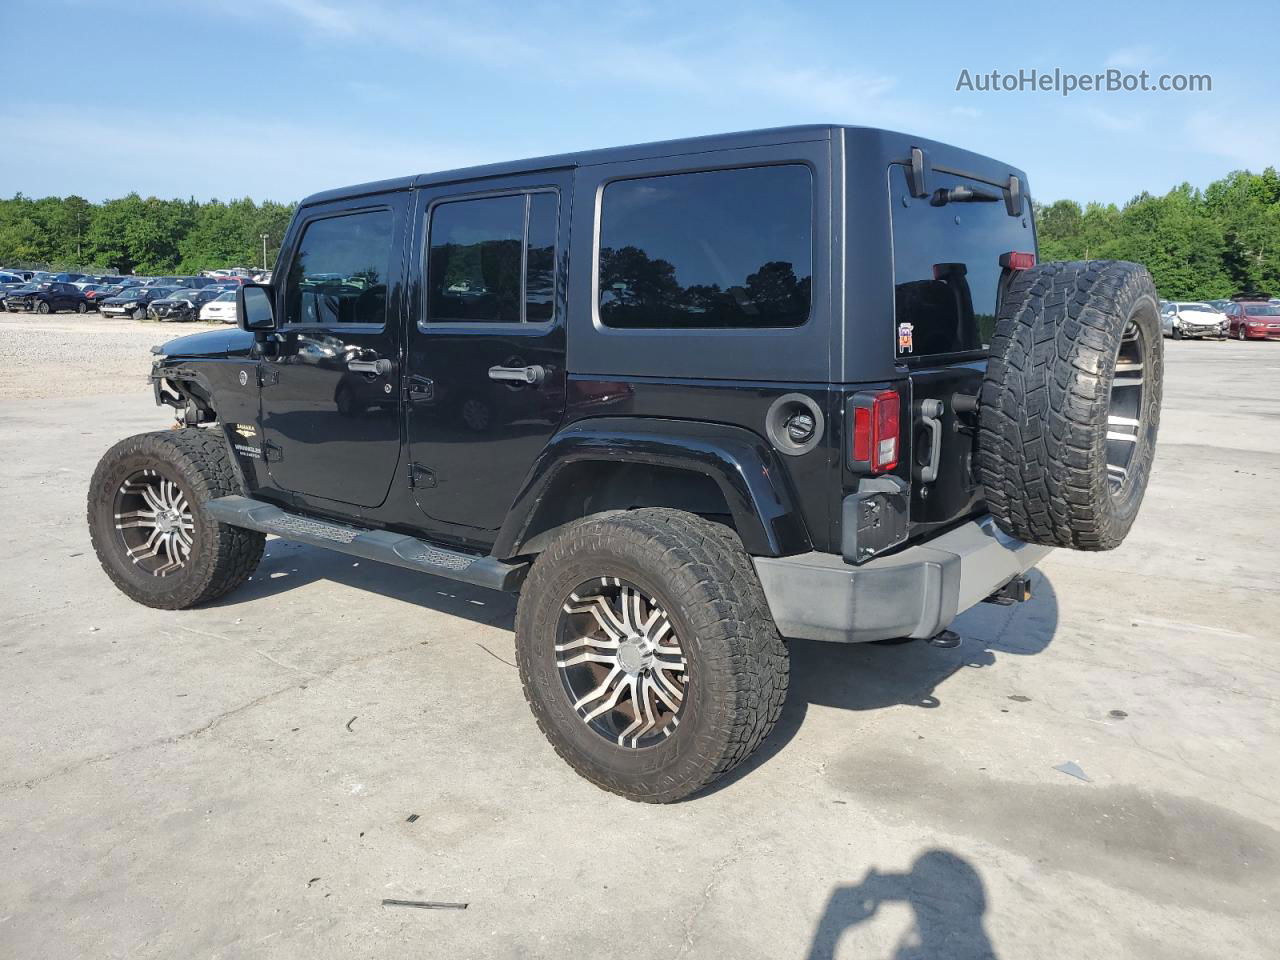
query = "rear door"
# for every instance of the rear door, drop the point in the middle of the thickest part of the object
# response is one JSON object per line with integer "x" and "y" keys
{"x": 331, "y": 375}
{"x": 947, "y": 263}
{"x": 486, "y": 346}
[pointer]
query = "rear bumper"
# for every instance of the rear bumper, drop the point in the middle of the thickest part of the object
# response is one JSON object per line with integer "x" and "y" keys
{"x": 914, "y": 593}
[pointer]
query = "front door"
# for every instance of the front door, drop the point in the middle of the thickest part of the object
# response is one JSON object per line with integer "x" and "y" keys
{"x": 486, "y": 348}
{"x": 331, "y": 374}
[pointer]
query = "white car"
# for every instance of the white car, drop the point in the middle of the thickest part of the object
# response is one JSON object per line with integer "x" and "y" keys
{"x": 221, "y": 309}
{"x": 1181, "y": 320}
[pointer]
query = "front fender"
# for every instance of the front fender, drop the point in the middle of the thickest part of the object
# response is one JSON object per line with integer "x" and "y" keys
{"x": 741, "y": 463}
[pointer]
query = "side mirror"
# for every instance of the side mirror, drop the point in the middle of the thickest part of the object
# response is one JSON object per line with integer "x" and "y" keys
{"x": 254, "y": 310}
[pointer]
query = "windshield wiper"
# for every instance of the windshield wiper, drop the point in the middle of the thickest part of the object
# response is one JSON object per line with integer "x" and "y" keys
{"x": 942, "y": 196}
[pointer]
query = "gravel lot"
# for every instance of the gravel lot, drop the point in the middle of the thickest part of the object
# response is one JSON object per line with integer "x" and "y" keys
{"x": 69, "y": 354}
{"x": 237, "y": 781}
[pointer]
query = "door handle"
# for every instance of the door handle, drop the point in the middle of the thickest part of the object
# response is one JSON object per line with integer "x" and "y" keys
{"x": 380, "y": 367}
{"x": 930, "y": 412}
{"x": 534, "y": 374}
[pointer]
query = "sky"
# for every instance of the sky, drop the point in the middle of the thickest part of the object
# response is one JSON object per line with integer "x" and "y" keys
{"x": 275, "y": 99}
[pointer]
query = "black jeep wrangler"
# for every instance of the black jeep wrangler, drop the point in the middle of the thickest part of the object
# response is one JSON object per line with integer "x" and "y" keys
{"x": 688, "y": 398}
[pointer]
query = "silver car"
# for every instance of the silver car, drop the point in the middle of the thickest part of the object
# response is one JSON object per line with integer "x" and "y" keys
{"x": 1183, "y": 320}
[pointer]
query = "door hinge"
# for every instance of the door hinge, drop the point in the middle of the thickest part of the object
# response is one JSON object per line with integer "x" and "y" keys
{"x": 268, "y": 375}
{"x": 271, "y": 453}
{"x": 420, "y": 477}
{"x": 419, "y": 388}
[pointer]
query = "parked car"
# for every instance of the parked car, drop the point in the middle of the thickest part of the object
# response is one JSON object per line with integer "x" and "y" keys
{"x": 68, "y": 277}
{"x": 49, "y": 297}
{"x": 97, "y": 293}
{"x": 783, "y": 395}
{"x": 221, "y": 309}
{"x": 181, "y": 304}
{"x": 132, "y": 301}
{"x": 1253, "y": 320}
{"x": 1198, "y": 320}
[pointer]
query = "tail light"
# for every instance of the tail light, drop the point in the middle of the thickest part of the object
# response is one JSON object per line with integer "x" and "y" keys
{"x": 1017, "y": 261}
{"x": 877, "y": 422}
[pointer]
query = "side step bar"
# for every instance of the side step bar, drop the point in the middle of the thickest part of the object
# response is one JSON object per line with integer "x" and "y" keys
{"x": 394, "y": 548}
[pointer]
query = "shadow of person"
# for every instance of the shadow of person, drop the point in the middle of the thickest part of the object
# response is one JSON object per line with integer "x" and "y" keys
{"x": 869, "y": 676}
{"x": 947, "y": 898}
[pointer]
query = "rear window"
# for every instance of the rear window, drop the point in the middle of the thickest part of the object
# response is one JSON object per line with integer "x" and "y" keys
{"x": 719, "y": 248}
{"x": 946, "y": 263}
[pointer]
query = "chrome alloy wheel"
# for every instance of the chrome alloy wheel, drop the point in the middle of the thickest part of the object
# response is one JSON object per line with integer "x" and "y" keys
{"x": 1127, "y": 417}
{"x": 155, "y": 523}
{"x": 621, "y": 663}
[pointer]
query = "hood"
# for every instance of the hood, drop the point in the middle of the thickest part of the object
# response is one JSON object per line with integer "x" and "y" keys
{"x": 1201, "y": 316}
{"x": 213, "y": 343}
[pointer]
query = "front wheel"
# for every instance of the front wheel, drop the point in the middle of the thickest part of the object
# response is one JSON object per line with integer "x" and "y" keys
{"x": 42, "y": 307}
{"x": 1240, "y": 334}
{"x": 1177, "y": 333}
{"x": 149, "y": 527}
{"x": 648, "y": 654}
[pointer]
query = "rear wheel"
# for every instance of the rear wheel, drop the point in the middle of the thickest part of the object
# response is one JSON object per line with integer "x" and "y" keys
{"x": 1071, "y": 403}
{"x": 82, "y": 307}
{"x": 648, "y": 654}
{"x": 149, "y": 527}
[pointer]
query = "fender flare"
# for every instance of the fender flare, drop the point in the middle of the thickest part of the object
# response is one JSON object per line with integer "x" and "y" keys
{"x": 742, "y": 464}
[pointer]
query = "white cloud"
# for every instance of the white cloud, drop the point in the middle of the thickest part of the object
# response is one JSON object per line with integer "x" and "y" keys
{"x": 1247, "y": 139}
{"x": 1114, "y": 122}
{"x": 252, "y": 158}
{"x": 750, "y": 56}
{"x": 1133, "y": 58}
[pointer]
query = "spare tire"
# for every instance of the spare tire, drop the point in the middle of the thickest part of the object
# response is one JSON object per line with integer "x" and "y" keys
{"x": 1071, "y": 403}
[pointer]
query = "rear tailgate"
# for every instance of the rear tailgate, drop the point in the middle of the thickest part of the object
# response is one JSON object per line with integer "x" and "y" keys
{"x": 950, "y": 251}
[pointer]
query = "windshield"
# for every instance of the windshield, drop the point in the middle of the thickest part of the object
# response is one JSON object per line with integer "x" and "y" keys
{"x": 228, "y": 297}
{"x": 946, "y": 262}
{"x": 183, "y": 294}
{"x": 1196, "y": 306}
{"x": 1262, "y": 309}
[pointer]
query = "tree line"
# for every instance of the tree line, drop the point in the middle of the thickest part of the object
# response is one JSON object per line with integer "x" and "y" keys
{"x": 1198, "y": 244}
{"x": 135, "y": 235}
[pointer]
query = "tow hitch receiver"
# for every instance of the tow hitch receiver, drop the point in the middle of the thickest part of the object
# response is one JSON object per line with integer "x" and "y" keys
{"x": 1016, "y": 590}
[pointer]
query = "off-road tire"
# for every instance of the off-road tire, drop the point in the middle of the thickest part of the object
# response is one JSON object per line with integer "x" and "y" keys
{"x": 222, "y": 557}
{"x": 737, "y": 664}
{"x": 1046, "y": 399}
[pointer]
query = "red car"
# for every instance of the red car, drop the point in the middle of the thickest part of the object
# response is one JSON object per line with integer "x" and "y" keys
{"x": 1253, "y": 320}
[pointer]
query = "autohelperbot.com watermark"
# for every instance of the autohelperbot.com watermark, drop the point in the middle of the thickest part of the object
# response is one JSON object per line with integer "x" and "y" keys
{"x": 1064, "y": 82}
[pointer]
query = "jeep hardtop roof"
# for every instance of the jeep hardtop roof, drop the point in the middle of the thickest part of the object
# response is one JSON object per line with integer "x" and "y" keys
{"x": 888, "y": 144}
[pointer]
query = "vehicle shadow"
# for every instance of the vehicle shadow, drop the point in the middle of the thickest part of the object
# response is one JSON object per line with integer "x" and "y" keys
{"x": 287, "y": 565}
{"x": 947, "y": 898}
{"x": 872, "y": 676}
{"x": 855, "y": 676}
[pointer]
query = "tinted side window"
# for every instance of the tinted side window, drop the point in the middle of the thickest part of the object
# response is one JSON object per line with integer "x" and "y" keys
{"x": 721, "y": 248}
{"x": 340, "y": 271}
{"x": 492, "y": 259}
